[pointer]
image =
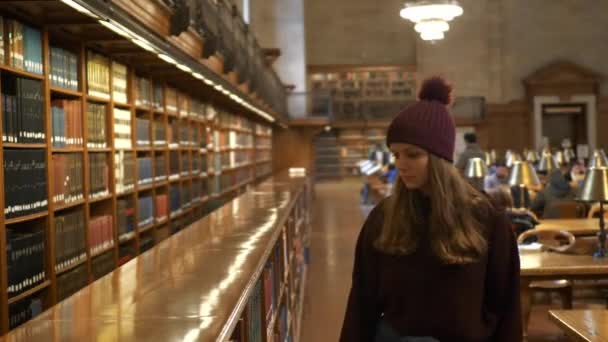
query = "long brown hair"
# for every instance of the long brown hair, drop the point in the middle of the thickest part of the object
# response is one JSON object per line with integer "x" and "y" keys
{"x": 456, "y": 230}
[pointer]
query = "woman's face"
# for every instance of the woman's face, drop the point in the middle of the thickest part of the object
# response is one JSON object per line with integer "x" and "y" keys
{"x": 412, "y": 163}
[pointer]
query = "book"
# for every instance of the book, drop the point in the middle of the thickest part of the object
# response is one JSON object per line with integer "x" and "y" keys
{"x": 173, "y": 134}
{"x": 119, "y": 82}
{"x": 142, "y": 92}
{"x": 101, "y": 233}
{"x": 161, "y": 208}
{"x": 125, "y": 211}
{"x": 102, "y": 264}
{"x": 185, "y": 164}
{"x": 24, "y": 310}
{"x": 32, "y": 50}
{"x": 98, "y": 175}
{"x": 184, "y": 104}
{"x": 66, "y": 123}
{"x": 122, "y": 128}
{"x": 96, "y": 125}
{"x": 160, "y": 168}
{"x": 70, "y": 242}
{"x": 175, "y": 200}
{"x": 158, "y": 102}
{"x": 70, "y": 282}
{"x": 68, "y": 178}
{"x": 64, "y": 69}
{"x": 98, "y": 75}
{"x": 145, "y": 211}
{"x": 22, "y": 110}
{"x": 160, "y": 133}
{"x": 24, "y": 182}
{"x": 142, "y": 132}
{"x": 124, "y": 171}
{"x": 144, "y": 171}
{"x": 171, "y": 100}
{"x": 25, "y": 253}
{"x": 174, "y": 164}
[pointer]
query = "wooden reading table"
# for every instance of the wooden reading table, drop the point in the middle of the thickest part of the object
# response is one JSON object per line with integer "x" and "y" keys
{"x": 582, "y": 325}
{"x": 536, "y": 266}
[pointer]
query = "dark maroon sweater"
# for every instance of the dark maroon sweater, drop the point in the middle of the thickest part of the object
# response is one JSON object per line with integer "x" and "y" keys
{"x": 418, "y": 295}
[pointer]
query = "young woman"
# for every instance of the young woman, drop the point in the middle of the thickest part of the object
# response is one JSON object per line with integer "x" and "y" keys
{"x": 435, "y": 261}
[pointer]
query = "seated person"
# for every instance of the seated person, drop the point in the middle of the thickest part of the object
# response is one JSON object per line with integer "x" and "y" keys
{"x": 521, "y": 219}
{"x": 558, "y": 189}
{"x": 498, "y": 178}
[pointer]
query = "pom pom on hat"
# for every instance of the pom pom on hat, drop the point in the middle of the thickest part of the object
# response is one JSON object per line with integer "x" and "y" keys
{"x": 436, "y": 89}
{"x": 427, "y": 123}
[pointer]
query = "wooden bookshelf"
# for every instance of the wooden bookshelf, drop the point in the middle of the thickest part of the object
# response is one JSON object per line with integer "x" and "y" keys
{"x": 235, "y": 164}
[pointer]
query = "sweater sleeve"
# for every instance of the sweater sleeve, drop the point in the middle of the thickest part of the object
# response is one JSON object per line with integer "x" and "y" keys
{"x": 362, "y": 311}
{"x": 502, "y": 279}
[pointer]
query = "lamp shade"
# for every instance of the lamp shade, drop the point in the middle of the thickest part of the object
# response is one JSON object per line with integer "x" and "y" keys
{"x": 523, "y": 174}
{"x": 595, "y": 185}
{"x": 532, "y": 157}
{"x": 561, "y": 158}
{"x": 512, "y": 158}
{"x": 598, "y": 159}
{"x": 476, "y": 168}
{"x": 569, "y": 153}
{"x": 547, "y": 163}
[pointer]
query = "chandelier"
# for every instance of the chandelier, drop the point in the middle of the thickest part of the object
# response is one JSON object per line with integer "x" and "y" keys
{"x": 431, "y": 16}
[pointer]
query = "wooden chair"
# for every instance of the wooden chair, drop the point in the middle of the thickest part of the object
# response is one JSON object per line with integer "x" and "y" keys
{"x": 564, "y": 210}
{"x": 556, "y": 241}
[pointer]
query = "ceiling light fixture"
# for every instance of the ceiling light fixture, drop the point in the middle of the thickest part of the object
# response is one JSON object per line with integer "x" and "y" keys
{"x": 431, "y": 16}
{"x": 116, "y": 28}
{"x": 143, "y": 44}
{"x": 198, "y": 76}
{"x": 184, "y": 68}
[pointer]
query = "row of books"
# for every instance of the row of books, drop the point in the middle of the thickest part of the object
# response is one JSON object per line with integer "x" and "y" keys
{"x": 102, "y": 264}
{"x": 160, "y": 168}
{"x": 24, "y": 182}
{"x": 66, "y": 126}
{"x": 70, "y": 243}
{"x": 124, "y": 171}
{"x": 144, "y": 170}
{"x": 142, "y": 132}
{"x": 24, "y": 310}
{"x": 126, "y": 217}
{"x": 24, "y": 46}
{"x": 25, "y": 260}
{"x": 70, "y": 282}
{"x": 119, "y": 82}
{"x": 22, "y": 110}
{"x": 64, "y": 69}
{"x": 122, "y": 128}
{"x": 255, "y": 330}
{"x": 161, "y": 207}
{"x": 67, "y": 178}
{"x": 98, "y": 75}
{"x": 160, "y": 134}
{"x": 142, "y": 92}
{"x": 96, "y": 125}
{"x": 158, "y": 102}
{"x": 145, "y": 211}
{"x": 101, "y": 233}
{"x": 98, "y": 175}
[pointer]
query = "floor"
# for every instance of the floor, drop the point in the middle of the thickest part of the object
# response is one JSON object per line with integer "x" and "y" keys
{"x": 337, "y": 220}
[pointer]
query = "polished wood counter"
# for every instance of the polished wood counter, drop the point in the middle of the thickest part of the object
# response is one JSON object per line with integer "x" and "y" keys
{"x": 193, "y": 286}
{"x": 582, "y": 325}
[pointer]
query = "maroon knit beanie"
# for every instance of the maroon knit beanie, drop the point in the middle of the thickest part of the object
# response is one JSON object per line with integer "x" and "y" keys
{"x": 427, "y": 123}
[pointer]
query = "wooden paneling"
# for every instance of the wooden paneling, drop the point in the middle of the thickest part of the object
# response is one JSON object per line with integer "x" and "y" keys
{"x": 506, "y": 126}
{"x": 602, "y": 121}
{"x": 293, "y": 147}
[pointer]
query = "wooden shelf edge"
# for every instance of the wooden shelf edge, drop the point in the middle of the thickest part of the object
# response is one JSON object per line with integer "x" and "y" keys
{"x": 29, "y": 292}
{"x": 24, "y": 146}
{"x": 69, "y": 92}
{"x": 103, "y": 251}
{"x": 71, "y": 267}
{"x": 26, "y": 218}
{"x": 20, "y": 72}
{"x": 69, "y": 205}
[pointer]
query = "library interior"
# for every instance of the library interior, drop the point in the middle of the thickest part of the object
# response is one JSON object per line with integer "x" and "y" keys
{"x": 303, "y": 170}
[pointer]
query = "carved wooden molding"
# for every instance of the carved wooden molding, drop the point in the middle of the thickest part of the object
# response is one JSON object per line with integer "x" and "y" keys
{"x": 562, "y": 78}
{"x": 153, "y": 14}
{"x": 190, "y": 42}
